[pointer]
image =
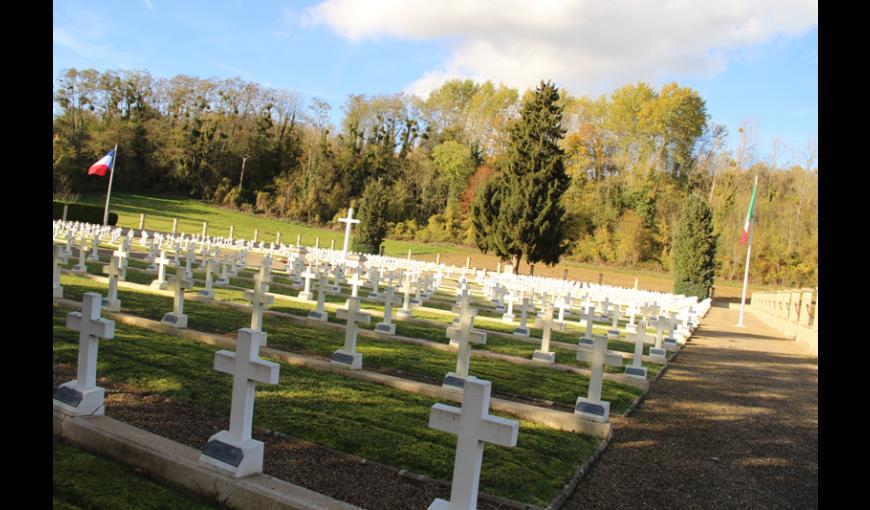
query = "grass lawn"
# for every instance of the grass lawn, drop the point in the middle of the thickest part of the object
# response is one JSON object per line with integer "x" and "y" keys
{"x": 353, "y": 416}
{"x": 82, "y": 480}
{"x": 508, "y": 380}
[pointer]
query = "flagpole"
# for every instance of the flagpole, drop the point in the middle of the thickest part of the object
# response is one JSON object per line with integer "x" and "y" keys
{"x": 746, "y": 270}
{"x": 109, "y": 193}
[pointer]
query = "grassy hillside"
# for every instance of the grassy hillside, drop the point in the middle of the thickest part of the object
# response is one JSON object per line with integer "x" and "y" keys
{"x": 160, "y": 211}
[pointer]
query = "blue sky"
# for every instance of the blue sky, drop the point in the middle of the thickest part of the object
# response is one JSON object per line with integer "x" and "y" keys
{"x": 752, "y": 61}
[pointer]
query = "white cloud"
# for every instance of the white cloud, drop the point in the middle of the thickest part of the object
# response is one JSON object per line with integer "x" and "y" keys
{"x": 149, "y": 5}
{"x": 587, "y": 46}
{"x": 93, "y": 51}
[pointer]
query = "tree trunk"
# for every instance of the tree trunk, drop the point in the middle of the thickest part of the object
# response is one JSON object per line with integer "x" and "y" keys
{"x": 516, "y": 262}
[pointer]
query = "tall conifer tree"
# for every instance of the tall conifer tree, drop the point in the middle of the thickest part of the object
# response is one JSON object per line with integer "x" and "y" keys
{"x": 372, "y": 227}
{"x": 519, "y": 213}
{"x": 694, "y": 249}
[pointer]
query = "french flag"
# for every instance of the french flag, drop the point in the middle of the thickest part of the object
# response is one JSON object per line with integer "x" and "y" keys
{"x": 101, "y": 166}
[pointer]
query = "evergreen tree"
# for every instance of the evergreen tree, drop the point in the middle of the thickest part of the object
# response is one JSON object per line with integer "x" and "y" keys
{"x": 694, "y": 249}
{"x": 520, "y": 212}
{"x": 372, "y": 228}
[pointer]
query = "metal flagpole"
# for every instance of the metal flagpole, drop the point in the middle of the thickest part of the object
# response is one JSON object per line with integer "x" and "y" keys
{"x": 746, "y": 270}
{"x": 111, "y": 176}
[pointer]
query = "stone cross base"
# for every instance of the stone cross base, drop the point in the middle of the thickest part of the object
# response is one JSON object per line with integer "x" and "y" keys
{"x": 72, "y": 400}
{"x": 374, "y": 295}
{"x": 80, "y": 269}
{"x": 237, "y": 459}
{"x": 58, "y": 292}
{"x": 208, "y": 294}
{"x": 111, "y": 305}
{"x": 92, "y": 258}
{"x": 613, "y": 334}
{"x": 404, "y": 313}
{"x": 586, "y": 344}
{"x": 351, "y": 360}
{"x": 500, "y": 308}
{"x": 317, "y": 316}
{"x": 452, "y": 381}
{"x": 157, "y": 284}
{"x": 385, "y": 329}
{"x": 306, "y": 296}
{"x": 630, "y": 329}
{"x": 659, "y": 355}
{"x": 592, "y": 410}
{"x": 544, "y": 357}
{"x": 439, "y": 504}
{"x": 638, "y": 373}
{"x": 521, "y": 331}
{"x": 508, "y": 318}
{"x": 175, "y": 320}
{"x": 671, "y": 345}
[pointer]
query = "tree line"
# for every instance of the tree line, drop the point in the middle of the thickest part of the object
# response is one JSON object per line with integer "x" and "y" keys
{"x": 630, "y": 159}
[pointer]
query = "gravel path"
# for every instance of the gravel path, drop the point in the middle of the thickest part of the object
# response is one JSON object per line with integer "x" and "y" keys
{"x": 733, "y": 423}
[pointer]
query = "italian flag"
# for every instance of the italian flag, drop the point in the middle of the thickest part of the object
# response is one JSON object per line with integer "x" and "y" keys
{"x": 749, "y": 213}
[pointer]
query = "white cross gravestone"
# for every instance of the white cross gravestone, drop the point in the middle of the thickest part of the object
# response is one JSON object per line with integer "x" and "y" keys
{"x": 176, "y": 318}
{"x": 544, "y": 354}
{"x": 208, "y": 292}
{"x": 233, "y": 451}
{"x": 224, "y": 277}
{"x": 260, "y": 300}
{"x": 81, "y": 267}
{"x": 473, "y": 426}
{"x": 94, "y": 256}
{"x": 589, "y": 317}
{"x": 636, "y": 370}
{"x": 461, "y": 337}
{"x": 387, "y": 327}
{"x": 58, "y": 260}
{"x": 613, "y": 332}
{"x": 374, "y": 280}
{"x": 323, "y": 289}
{"x": 348, "y": 221}
{"x": 669, "y": 342}
{"x": 508, "y": 316}
{"x": 656, "y": 352}
{"x": 162, "y": 261}
{"x": 113, "y": 270}
{"x": 592, "y": 407}
{"x": 307, "y": 275}
{"x": 406, "y": 312}
{"x": 477, "y": 336}
{"x": 632, "y": 311}
{"x": 82, "y": 397}
{"x": 348, "y": 356}
{"x": 523, "y": 329}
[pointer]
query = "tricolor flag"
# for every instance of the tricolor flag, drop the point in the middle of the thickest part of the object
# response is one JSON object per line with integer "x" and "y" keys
{"x": 105, "y": 163}
{"x": 749, "y": 213}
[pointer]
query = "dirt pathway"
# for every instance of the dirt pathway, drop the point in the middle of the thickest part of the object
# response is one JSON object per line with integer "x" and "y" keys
{"x": 732, "y": 424}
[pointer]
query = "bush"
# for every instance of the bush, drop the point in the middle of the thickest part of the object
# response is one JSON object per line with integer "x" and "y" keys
{"x": 82, "y": 212}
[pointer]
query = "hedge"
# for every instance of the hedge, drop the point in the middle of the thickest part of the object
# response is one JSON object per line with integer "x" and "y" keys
{"x": 82, "y": 212}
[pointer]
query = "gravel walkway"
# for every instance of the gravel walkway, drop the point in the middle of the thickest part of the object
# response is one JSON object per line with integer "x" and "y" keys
{"x": 733, "y": 423}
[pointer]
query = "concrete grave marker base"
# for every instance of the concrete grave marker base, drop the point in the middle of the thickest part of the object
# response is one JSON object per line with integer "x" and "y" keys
{"x": 175, "y": 320}
{"x": 670, "y": 345}
{"x": 439, "y": 504}
{"x": 374, "y": 295}
{"x": 237, "y": 459}
{"x": 208, "y": 294}
{"x": 92, "y": 258}
{"x": 507, "y": 318}
{"x": 521, "y": 331}
{"x": 594, "y": 411}
{"x": 613, "y": 334}
{"x": 351, "y": 360}
{"x": 404, "y": 313}
{"x": 586, "y": 343}
{"x": 317, "y": 316}
{"x": 58, "y": 292}
{"x": 72, "y": 400}
{"x": 77, "y": 269}
{"x": 160, "y": 285}
{"x": 638, "y": 373}
{"x": 385, "y": 329}
{"x": 452, "y": 381}
{"x": 307, "y": 296}
{"x": 544, "y": 357}
{"x": 500, "y": 308}
{"x": 111, "y": 305}
{"x": 659, "y": 355}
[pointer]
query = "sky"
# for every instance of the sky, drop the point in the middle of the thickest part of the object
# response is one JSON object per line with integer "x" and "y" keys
{"x": 755, "y": 62}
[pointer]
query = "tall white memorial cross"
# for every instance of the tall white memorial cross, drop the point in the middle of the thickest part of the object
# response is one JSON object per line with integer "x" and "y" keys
{"x": 636, "y": 370}
{"x": 592, "y": 407}
{"x": 233, "y": 451}
{"x": 387, "y": 327}
{"x": 473, "y": 426}
{"x": 348, "y": 356}
{"x": 162, "y": 261}
{"x": 546, "y": 322}
{"x": 58, "y": 259}
{"x": 176, "y": 318}
{"x": 113, "y": 270}
{"x": 82, "y": 397}
{"x": 348, "y": 221}
{"x": 260, "y": 300}
{"x": 461, "y": 336}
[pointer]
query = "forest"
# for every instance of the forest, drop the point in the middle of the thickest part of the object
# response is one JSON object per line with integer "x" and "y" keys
{"x": 632, "y": 157}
